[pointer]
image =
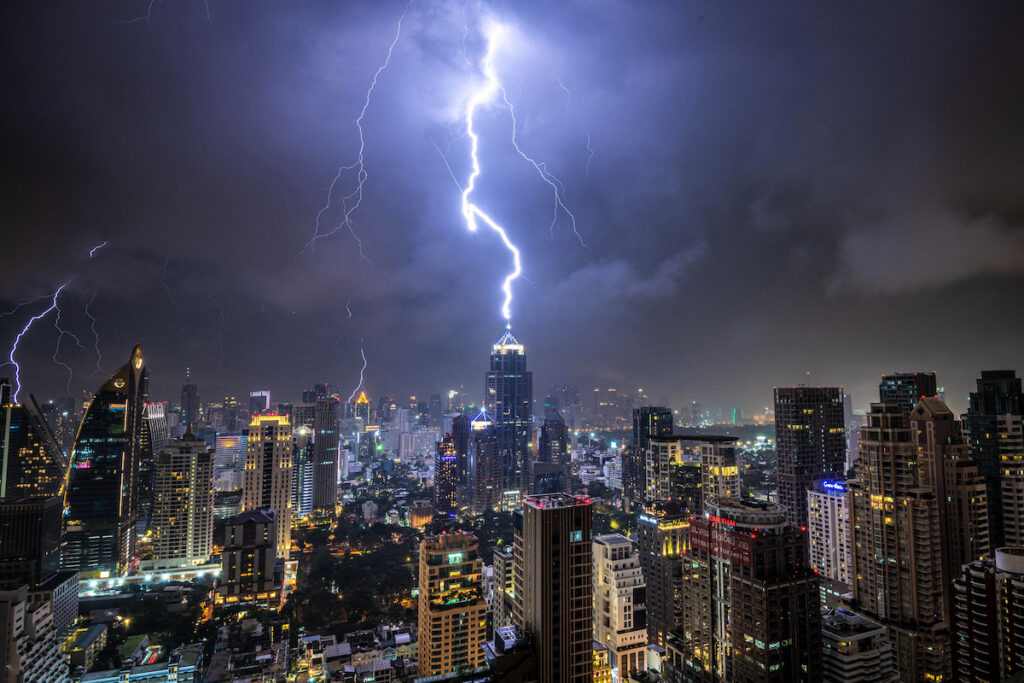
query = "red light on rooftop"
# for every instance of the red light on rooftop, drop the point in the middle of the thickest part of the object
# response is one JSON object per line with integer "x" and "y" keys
{"x": 803, "y": 528}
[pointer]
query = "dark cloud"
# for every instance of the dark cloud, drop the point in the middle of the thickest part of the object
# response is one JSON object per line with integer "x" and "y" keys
{"x": 773, "y": 189}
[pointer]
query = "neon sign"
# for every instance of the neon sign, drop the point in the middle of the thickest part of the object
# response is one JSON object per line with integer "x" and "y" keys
{"x": 834, "y": 486}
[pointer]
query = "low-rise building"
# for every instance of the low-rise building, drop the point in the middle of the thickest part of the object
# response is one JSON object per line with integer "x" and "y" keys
{"x": 855, "y": 649}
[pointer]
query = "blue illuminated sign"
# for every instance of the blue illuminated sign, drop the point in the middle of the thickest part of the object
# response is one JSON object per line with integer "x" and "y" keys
{"x": 834, "y": 486}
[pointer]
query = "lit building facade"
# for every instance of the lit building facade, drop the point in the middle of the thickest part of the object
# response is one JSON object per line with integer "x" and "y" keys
{"x": 648, "y": 422}
{"x": 303, "y": 466}
{"x": 182, "y": 520}
{"x": 719, "y": 467}
{"x": 446, "y": 477}
{"x": 100, "y": 501}
{"x": 810, "y": 443}
{"x": 31, "y": 461}
{"x": 251, "y": 573}
{"x": 663, "y": 532}
{"x": 896, "y": 538}
{"x": 620, "y": 603}
{"x": 906, "y": 389}
{"x": 268, "y": 473}
{"x": 452, "y": 609}
{"x": 750, "y": 598}
{"x": 855, "y": 649}
{"x": 485, "y": 466}
{"x": 326, "y": 428}
{"x": 828, "y": 531}
{"x": 509, "y": 402}
{"x": 553, "y": 570}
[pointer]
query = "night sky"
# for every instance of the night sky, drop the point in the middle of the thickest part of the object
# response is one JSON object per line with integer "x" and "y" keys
{"x": 775, "y": 188}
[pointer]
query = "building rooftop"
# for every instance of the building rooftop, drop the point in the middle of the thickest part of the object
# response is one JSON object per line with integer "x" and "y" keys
{"x": 698, "y": 438}
{"x": 613, "y": 539}
{"x": 555, "y": 500}
{"x": 846, "y": 625}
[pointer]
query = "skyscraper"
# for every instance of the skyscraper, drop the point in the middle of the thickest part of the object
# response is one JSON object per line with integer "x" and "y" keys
{"x": 485, "y": 465}
{"x": 662, "y": 540}
{"x": 446, "y": 476}
{"x": 31, "y": 461}
{"x": 509, "y": 402}
{"x": 189, "y": 401}
{"x": 620, "y": 603}
{"x": 828, "y": 533}
{"x": 259, "y": 401}
{"x": 750, "y": 599}
{"x": 250, "y": 570}
{"x": 810, "y": 442}
{"x": 303, "y": 465}
{"x": 987, "y": 624}
{"x": 452, "y": 609}
{"x": 719, "y": 467}
{"x": 994, "y": 430}
{"x": 553, "y": 445}
{"x": 326, "y": 428}
{"x": 100, "y": 503}
{"x": 182, "y": 504}
{"x": 648, "y": 422}
{"x": 553, "y": 599}
{"x": 905, "y": 389}
{"x": 153, "y": 439}
{"x": 896, "y": 538}
{"x": 268, "y": 474}
{"x": 462, "y": 433}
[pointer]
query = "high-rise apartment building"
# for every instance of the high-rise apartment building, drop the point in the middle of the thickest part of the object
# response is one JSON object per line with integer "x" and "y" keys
{"x": 303, "y": 467}
{"x": 446, "y": 476}
{"x": 31, "y": 460}
{"x": 452, "y": 609}
{"x": 906, "y": 389}
{"x": 503, "y": 587}
{"x": 100, "y": 502}
{"x": 663, "y": 537}
{"x": 810, "y": 443}
{"x": 251, "y": 573}
{"x": 29, "y": 539}
{"x": 189, "y": 401}
{"x": 988, "y": 622}
{"x": 855, "y": 649}
{"x": 750, "y": 598}
{"x": 897, "y": 541}
{"x": 485, "y": 465}
{"x": 993, "y": 427}
{"x": 326, "y": 428}
{"x": 719, "y": 467}
{"x": 259, "y": 401}
{"x": 268, "y": 473}
{"x": 648, "y": 422}
{"x": 509, "y": 402}
{"x": 462, "y": 435}
{"x": 553, "y": 599}
{"x": 662, "y": 455}
{"x": 620, "y": 603}
{"x": 828, "y": 531}
{"x": 554, "y": 444}
{"x": 182, "y": 523}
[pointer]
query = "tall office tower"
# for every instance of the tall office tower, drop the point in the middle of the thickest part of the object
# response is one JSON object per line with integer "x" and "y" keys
{"x": 503, "y": 587}
{"x": 182, "y": 504}
{"x": 810, "y": 443}
{"x": 509, "y": 401}
{"x": 268, "y": 473}
{"x": 553, "y": 599}
{"x": 154, "y": 438}
{"x": 855, "y": 649}
{"x": 485, "y": 466}
{"x": 719, "y": 467}
{"x": 452, "y": 608}
{"x": 302, "y": 414}
{"x": 250, "y": 571}
{"x": 446, "y": 476}
{"x": 303, "y": 466}
{"x": 362, "y": 409}
{"x": 648, "y": 422}
{"x": 663, "y": 537}
{"x": 620, "y": 603}
{"x": 993, "y": 426}
{"x": 326, "y": 428}
{"x": 959, "y": 490}
{"x": 905, "y": 389}
{"x": 896, "y": 538}
{"x": 553, "y": 444}
{"x": 462, "y": 435}
{"x": 988, "y": 629}
{"x": 31, "y": 460}
{"x": 750, "y": 598}
{"x": 551, "y": 407}
{"x": 688, "y": 486}
{"x": 189, "y": 401}
{"x": 435, "y": 410}
{"x": 100, "y": 503}
{"x": 29, "y": 539}
{"x": 828, "y": 531}
{"x": 62, "y": 418}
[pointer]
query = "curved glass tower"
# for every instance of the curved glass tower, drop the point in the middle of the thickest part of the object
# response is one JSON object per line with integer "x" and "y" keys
{"x": 101, "y": 500}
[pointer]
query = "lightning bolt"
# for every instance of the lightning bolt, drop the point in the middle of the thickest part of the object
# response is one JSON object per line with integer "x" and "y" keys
{"x": 92, "y": 252}
{"x": 348, "y": 309}
{"x": 60, "y": 336}
{"x": 17, "y": 340}
{"x": 359, "y": 166}
{"x": 95, "y": 334}
{"x": 590, "y": 155}
{"x": 145, "y": 17}
{"x": 362, "y": 373}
